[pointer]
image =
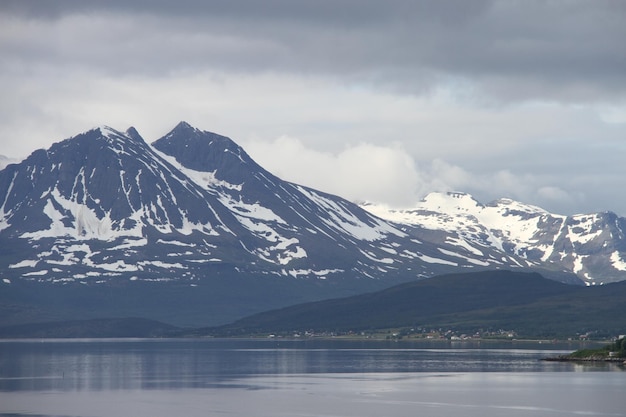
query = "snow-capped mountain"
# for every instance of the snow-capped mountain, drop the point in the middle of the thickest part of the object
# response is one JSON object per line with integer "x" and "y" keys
{"x": 107, "y": 209}
{"x": 592, "y": 246}
{"x": 105, "y": 205}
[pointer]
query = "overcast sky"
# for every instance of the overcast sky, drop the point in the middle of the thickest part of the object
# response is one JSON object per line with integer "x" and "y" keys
{"x": 382, "y": 101}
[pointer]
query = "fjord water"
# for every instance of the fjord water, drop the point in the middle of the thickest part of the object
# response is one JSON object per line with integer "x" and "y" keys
{"x": 275, "y": 377}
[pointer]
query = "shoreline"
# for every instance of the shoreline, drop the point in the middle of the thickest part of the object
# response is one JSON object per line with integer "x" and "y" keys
{"x": 591, "y": 359}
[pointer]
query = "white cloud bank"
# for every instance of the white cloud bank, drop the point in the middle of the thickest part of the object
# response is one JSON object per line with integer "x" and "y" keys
{"x": 364, "y": 172}
{"x": 389, "y": 175}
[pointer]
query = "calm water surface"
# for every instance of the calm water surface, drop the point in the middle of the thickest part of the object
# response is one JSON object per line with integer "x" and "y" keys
{"x": 300, "y": 378}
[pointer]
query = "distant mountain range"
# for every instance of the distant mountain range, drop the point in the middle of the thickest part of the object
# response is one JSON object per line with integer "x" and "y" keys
{"x": 5, "y": 160}
{"x": 592, "y": 246}
{"x": 191, "y": 231}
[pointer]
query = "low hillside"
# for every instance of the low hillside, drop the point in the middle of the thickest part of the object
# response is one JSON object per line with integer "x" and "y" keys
{"x": 526, "y": 303}
{"x": 97, "y": 328}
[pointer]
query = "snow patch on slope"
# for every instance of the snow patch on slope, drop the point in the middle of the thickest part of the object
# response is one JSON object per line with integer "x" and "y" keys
{"x": 85, "y": 223}
{"x": 344, "y": 221}
{"x": 618, "y": 262}
{"x": 207, "y": 180}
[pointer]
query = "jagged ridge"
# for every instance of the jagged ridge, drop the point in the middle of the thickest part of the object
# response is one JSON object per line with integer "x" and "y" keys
{"x": 589, "y": 245}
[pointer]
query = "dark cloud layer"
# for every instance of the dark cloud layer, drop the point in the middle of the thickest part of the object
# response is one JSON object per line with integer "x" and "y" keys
{"x": 567, "y": 51}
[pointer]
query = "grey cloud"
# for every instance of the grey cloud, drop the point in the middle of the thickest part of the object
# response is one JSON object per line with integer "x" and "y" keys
{"x": 325, "y": 12}
{"x": 508, "y": 50}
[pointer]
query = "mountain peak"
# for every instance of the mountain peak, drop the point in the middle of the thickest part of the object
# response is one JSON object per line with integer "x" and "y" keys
{"x": 183, "y": 126}
{"x": 109, "y": 132}
{"x": 110, "y": 135}
{"x": 450, "y": 201}
{"x": 207, "y": 152}
{"x": 516, "y": 206}
{"x": 132, "y": 133}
